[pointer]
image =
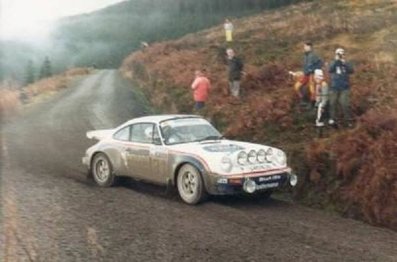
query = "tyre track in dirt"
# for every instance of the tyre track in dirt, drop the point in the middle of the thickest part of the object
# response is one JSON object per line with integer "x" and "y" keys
{"x": 60, "y": 215}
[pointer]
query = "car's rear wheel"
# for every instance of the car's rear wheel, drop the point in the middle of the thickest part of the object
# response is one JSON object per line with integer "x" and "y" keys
{"x": 190, "y": 185}
{"x": 102, "y": 171}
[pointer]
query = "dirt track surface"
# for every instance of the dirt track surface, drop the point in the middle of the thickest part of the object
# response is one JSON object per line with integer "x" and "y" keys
{"x": 50, "y": 211}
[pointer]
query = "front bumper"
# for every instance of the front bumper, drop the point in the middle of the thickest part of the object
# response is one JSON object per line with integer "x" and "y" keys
{"x": 251, "y": 183}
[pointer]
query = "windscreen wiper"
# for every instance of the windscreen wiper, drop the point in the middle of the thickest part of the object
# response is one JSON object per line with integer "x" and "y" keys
{"x": 210, "y": 138}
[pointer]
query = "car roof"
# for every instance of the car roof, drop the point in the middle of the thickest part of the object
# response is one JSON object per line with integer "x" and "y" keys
{"x": 159, "y": 118}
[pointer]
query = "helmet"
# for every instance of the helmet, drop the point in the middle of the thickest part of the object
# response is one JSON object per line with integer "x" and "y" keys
{"x": 149, "y": 132}
{"x": 318, "y": 73}
{"x": 339, "y": 51}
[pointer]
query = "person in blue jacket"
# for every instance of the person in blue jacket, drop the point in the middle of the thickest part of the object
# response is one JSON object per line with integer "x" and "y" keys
{"x": 311, "y": 62}
{"x": 340, "y": 71}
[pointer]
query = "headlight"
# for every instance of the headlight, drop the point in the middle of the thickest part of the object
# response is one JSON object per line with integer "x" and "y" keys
{"x": 249, "y": 186}
{"x": 269, "y": 154}
{"x": 281, "y": 158}
{"x": 261, "y": 156}
{"x": 242, "y": 158}
{"x": 226, "y": 164}
{"x": 293, "y": 180}
{"x": 252, "y": 156}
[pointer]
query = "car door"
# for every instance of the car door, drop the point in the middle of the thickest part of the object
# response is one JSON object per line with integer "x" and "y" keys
{"x": 158, "y": 158}
{"x": 138, "y": 151}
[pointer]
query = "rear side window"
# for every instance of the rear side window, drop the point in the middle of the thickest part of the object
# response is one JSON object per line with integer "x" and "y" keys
{"x": 142, "y": 133}
{"x": 123, "y": 134}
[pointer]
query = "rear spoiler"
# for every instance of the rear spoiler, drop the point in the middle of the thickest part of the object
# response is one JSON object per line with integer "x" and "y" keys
{"x": 99, "y": 134}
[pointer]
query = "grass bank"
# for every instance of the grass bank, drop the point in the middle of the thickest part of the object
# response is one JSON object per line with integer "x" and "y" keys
{"x": 350, "y": 171}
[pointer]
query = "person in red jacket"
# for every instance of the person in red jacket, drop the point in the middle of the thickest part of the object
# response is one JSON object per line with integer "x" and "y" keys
{"x": 201, "y": 87}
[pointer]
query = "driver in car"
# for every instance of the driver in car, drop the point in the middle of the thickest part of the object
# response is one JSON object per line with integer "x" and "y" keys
{"x": 170, "y": 135}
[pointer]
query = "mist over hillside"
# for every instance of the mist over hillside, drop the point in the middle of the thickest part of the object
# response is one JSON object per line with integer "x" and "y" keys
{"x": 105, "y": 37}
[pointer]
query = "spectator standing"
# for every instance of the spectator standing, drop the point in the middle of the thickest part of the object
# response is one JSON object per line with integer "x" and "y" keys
{"x": 235, "y": 68}
{"x": 322, "y": 93}
{"x": 201, "y": 87}
{"x": 228, "y": 26}
{"x": 340, "y": 71}
{"x": 144, "y": 45}
{"x": 311, "y": 62}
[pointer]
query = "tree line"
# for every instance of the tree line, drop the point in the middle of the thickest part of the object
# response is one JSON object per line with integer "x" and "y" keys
{"x": 105, "y": 38}
{"x": 31, "y": 73}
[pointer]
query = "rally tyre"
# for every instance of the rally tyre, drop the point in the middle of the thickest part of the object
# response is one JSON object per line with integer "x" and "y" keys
{"x": 190, "y": 185}
{"x": 102, "y": 171}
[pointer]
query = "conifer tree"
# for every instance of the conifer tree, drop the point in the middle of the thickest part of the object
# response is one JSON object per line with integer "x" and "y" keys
{"x": 29, "y": 75}
{"x": 46, "y": 70}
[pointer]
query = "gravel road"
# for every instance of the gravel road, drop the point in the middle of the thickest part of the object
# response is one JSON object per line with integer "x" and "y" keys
{"x": 51, "y": 211}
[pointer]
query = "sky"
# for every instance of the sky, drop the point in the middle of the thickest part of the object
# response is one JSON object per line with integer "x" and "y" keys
{"x": 30, "y": 19}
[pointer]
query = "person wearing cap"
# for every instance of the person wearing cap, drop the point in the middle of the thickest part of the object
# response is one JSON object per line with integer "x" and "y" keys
{"x": 321, "y": 88}
{"x": 340, "y": 71}
{"x": 201, "y": 87}
{"x": 311, "y": 62}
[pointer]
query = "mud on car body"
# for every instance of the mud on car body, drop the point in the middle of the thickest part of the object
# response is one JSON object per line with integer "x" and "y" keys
{"x": 186, "y": 151}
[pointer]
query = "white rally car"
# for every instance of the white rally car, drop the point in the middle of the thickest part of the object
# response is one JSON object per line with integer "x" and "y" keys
{"x": 187, "y": 152}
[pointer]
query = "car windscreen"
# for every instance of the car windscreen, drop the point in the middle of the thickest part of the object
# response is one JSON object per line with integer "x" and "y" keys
{"x": 186, "y": 130}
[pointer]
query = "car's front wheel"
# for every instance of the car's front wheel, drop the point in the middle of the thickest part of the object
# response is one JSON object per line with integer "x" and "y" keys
{"x": 102, "y": 171}
{"x": 190, "y": 185}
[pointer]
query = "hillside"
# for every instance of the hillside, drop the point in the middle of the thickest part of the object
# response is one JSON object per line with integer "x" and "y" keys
{"x": 352, "y": 171}
{"x": 13, "y": 98}
{"x": 106, "y": 36}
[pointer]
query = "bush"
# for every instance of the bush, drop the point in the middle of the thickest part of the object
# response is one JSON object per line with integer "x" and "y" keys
{"x": 9, "y": 102}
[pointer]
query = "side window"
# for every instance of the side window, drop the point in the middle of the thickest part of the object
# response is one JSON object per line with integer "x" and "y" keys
{"x": 123, "y": 134}
{"x": 142, "y": 133}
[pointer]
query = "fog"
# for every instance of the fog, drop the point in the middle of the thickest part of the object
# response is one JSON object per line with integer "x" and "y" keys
{"x": 105, "y": 37}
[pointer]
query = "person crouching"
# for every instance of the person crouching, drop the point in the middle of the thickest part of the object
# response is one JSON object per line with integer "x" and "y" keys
{"x": 201, "y": 87}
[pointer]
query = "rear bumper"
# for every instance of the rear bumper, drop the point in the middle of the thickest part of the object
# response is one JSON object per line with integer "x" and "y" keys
{"x": 250, "y": 183}
{"x": 86, "y": 161}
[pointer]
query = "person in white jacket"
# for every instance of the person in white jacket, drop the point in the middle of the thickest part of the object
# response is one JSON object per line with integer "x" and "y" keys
{"x": 322, "y": 96}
